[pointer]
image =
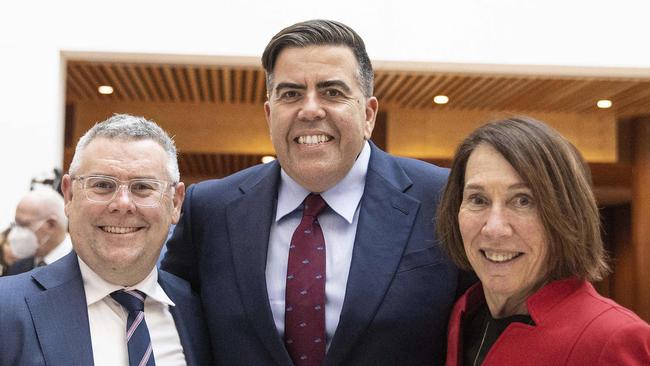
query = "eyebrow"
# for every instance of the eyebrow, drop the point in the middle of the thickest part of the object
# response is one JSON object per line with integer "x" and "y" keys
{"x": 114, "y": 177}
{"x": 479, "y": 187}
{"x": 320, "y": 85}
{"x": 329, "y": 83}
{"x": 286, "y": 85}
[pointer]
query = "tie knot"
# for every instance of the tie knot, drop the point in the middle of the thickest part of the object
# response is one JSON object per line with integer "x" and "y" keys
{"x": 132, "y": 300}
{"x": 314, "y": 204}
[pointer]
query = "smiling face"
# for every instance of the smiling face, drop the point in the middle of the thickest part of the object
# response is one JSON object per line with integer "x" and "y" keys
{"x": 119, "y": 240}
{"x": 317, "y": 114}
{"x": 501, "y": 229}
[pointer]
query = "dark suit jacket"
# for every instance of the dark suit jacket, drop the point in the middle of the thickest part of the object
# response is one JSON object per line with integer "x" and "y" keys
{"x": 20, "y": 266}
{"x": 44, "y": 317}
{"x": 400, "y": 288}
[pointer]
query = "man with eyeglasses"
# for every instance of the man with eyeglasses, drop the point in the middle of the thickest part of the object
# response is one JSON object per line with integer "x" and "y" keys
{"x": 106, "y": 303}
{"x": 38, "y": 235}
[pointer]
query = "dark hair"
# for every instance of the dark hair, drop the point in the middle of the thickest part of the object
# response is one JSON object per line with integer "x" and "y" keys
{"x": 560, "y": 181}
{"x": 319, "y": 32}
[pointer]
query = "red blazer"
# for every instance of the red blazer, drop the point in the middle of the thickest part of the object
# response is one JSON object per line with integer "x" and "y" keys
{"x": 574, "y": 326}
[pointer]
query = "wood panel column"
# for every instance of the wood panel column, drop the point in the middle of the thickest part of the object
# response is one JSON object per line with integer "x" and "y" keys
{"x": 641, "y": 214}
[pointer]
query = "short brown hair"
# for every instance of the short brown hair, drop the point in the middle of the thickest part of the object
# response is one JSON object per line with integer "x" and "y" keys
{"x": 319, "y": 32}
{"x": 560, "y": 181}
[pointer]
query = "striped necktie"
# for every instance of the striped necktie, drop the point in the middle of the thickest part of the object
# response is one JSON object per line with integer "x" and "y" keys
{"x": 137, "y": 334}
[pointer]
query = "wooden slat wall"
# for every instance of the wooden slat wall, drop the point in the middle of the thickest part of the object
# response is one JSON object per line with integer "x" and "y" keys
{"x": 173, "y": 83}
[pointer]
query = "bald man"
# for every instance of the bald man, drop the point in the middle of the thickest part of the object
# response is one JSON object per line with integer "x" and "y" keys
{"x": 39, "y": 235}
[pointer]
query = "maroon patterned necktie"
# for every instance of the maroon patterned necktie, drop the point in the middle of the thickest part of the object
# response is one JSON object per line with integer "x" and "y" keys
{"x": 304, "y": 316}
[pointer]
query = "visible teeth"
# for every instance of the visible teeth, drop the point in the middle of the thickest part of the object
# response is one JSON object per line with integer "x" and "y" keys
{"x": 499, "y": 257}
{"x": 313, "y": 139}
{"x": 119, "y": 230}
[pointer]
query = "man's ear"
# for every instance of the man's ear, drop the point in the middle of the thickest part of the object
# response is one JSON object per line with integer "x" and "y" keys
{"x": 66, "y": 188}
{"x": 267, "y": 113}
{"x": 177, "y": 201}
{"x": 372, "y": 107}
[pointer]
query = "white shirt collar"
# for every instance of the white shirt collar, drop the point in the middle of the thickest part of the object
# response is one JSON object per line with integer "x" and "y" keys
{"x": 59, "y": 251}
{"x": 343, "y": 198}
{"x": 97, "y": 288}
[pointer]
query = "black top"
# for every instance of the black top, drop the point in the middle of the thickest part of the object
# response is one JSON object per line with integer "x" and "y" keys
{"x": 480, "y": 331}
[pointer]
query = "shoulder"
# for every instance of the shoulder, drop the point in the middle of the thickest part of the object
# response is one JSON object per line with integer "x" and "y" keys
{"x": 422, "y": 168}
{"x": 613, "y": 320}
{"x": 171, "y": 282}
{"x": 13, "y": 290}
{"x": 178, "y": 289}
{"x": 233, "y": 182}
{"x": 628, "y": 342}
{"x": 414, "y": 168}
{"x": 611, "y": 333}
{"x": 181, "y": 293}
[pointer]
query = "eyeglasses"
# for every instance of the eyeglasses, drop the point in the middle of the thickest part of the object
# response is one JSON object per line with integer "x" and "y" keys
{"x": 103, "y": 188}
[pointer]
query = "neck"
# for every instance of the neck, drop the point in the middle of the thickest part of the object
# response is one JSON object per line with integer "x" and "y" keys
{"x": 501, "y": 306}
{"x": 125, "y": 279}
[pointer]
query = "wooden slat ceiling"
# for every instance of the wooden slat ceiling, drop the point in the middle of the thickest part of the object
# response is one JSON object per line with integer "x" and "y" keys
{"x": 143, "y": 82}
{"x": 197, "y": 166}
{"x": 171, "y": 83}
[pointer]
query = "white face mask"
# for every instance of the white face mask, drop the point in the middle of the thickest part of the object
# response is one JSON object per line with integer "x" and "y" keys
{"x": 22, "y": 241}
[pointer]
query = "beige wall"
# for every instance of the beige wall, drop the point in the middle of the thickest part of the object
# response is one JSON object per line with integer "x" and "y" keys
{"x": 242, "y": 129}
{"x": 197, "y": 128}
{"x": 435, "y": 135}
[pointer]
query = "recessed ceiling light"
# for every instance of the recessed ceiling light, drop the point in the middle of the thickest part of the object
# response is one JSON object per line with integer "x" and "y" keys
{"x": 267, "y": 159}
{"x": 105, "y": 89}
{"x": 604, "y": 103}
{"x": 441, "y": 99}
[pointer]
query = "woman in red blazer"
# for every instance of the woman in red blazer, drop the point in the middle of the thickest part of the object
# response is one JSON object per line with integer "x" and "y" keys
{"x": 519, "y": 210}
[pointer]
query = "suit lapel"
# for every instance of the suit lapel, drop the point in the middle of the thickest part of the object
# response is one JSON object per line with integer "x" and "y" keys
{"x": 183, "y": 333}
{"x": 182, "y": 313}
{"x": 60, "y": 314}
{"x": 249, "y": 224}
{"x": 385, "y": 221}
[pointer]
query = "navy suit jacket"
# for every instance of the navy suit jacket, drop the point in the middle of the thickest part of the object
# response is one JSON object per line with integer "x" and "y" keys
{"x": 400, "y": 289}
{"x": 44, "y": 317}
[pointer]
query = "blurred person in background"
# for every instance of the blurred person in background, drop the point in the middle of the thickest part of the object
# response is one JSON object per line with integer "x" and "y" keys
{"x": 6, "y": 256}
{"x": 519, "y": 210}
{"x": 39, "y": 233}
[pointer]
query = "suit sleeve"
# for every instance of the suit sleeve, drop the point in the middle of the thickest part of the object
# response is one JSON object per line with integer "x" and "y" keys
{"x": 181, "y": 258}
{"x": 627, "y": 346}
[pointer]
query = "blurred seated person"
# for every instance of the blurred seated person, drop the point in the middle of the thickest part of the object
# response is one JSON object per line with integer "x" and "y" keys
{"x": 6, "y": 256}
{"x": 39, "y": 233}
{"x": 519, "y": 210}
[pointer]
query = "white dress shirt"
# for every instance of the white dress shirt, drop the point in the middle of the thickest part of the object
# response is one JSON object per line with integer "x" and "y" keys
{"x": 108, "y": 318}
{"x": 339, "y": 225}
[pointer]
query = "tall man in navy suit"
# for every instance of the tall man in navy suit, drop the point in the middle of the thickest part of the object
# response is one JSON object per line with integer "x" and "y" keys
{"x": 121, "y": 195}
{"x": 388, "y": 287}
